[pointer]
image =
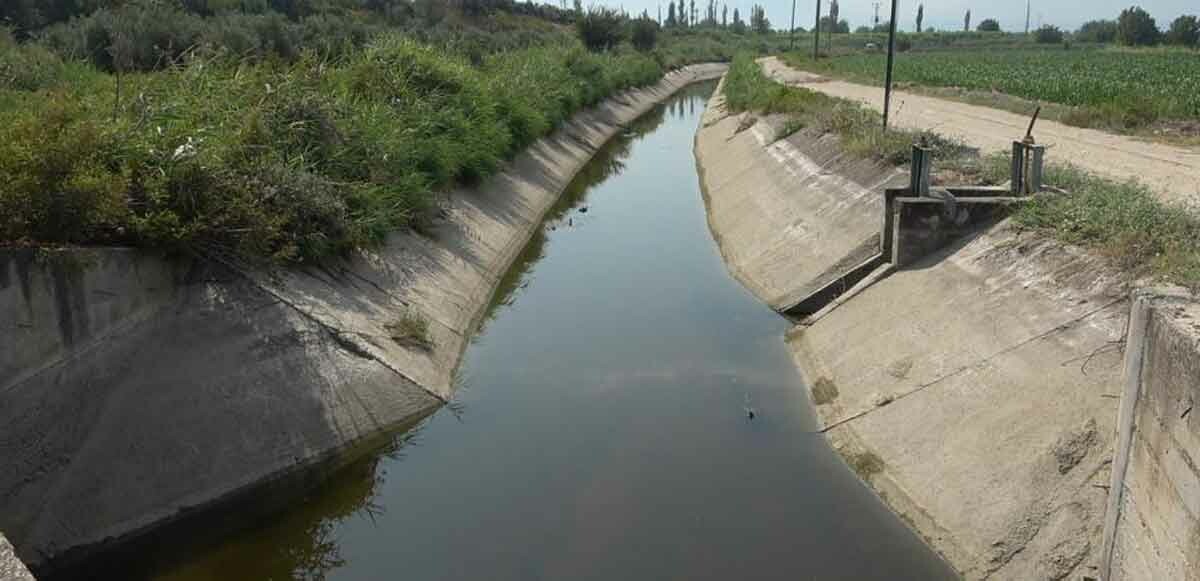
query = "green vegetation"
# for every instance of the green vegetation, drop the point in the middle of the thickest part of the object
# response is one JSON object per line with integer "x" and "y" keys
{"x": 600, "y": 28}
{"x": 1136, "y": 27}
{"x": 1049, "y": 35}
{"x": 152, "y": 124}
{"x": 410, "y": 330}
{"x": 1123, "y": 221}
{"x": 989, "y": 25}
{"x": 1120, "y": 89}
{"x": 1097, "y": 31}
{"x": 289, "y": 161}
{"x": 861, "y": 130}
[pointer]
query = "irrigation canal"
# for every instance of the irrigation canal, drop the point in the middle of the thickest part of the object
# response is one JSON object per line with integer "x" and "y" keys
{"x": 601, "y": 429}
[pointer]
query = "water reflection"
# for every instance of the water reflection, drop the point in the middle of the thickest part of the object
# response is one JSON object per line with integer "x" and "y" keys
{"x": 608, "y": 161}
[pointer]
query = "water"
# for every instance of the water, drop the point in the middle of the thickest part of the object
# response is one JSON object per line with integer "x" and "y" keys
{"x": 601, "y": 430}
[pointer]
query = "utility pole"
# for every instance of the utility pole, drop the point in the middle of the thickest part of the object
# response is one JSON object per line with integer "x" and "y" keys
{"x": 1027, "y": 16}
{"x": 891, "y": 61}
{"x": 876, "y": 5}
{"x": 817, "y": 34}
{"x": 792, "y": 33}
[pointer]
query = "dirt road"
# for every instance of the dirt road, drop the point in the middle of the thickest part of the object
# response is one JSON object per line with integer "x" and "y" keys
{"x": 1172, "y": 172}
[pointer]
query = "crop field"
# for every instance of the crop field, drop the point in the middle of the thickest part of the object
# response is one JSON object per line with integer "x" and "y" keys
{"x": 1135, "y": 87}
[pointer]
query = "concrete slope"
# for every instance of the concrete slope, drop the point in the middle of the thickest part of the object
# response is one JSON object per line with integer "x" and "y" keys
{"x": 133, "y": 388}
{"x": 1172, "y": 172}
{"x": 11, "y": 568}
{"x": 751, "y": 182}
{"x": 981, "y": 378}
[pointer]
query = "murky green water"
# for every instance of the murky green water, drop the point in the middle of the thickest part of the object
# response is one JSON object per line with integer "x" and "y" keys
{"x": 601, "y": 431}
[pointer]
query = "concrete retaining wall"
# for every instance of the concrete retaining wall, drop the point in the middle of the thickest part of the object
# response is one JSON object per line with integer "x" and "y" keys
{"x": 983, "y": 376}
{"x": 133, "y": 389}
{"x": 753, "y": 184}
{"x": 1153, "y": 527}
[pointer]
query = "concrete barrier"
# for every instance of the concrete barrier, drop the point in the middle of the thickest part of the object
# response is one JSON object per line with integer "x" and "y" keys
{"x": 1152, "y": 529}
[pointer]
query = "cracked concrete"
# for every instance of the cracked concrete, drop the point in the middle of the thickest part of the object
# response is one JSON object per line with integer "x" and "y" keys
{"x": 135, "y": 389}
{"x": 996, "y": 358}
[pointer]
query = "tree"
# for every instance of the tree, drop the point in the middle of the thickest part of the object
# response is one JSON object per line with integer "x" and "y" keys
{"x": 724, "y": 16}
{"x": 1185, "y": 31}
{"x": 1103, "y": 31}
{"x": 758, "y": 20}
{"x": 989, "y": 25}
{"x": 1136, "y": 27}
{"x": 920, "y": 16}
{"x": 1048, "y": 35}
{"x": 839, "y": 27}
{"x": 692, "y": 14}
{"x": 739, "y": 27}
{"x": 967, "y": 22}
{"x": 645, "y": 33}
{"x": 671, "y": 14}
{"x": 599, "y": 28}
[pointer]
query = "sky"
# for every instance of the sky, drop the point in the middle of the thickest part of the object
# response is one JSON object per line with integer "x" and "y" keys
{"x": 942, "y": 14}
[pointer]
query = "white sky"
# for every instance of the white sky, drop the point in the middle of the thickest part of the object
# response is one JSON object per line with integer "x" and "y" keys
{"x": 942, "y": 14}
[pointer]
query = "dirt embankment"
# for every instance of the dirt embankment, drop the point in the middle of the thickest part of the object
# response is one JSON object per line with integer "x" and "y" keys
{"x": 1173, "y": 173}
{"x": 133, "y": 389}
{"x": 974, "y": 390}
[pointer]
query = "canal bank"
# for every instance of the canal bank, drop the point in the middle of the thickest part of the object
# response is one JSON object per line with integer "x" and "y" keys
{"x": 979, "y": 385}
{"x": 602, "y": 426}
{"x": 137, "y": 390}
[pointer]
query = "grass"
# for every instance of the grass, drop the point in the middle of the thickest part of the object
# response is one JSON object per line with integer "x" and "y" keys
{"x": 1116, "y": 89}
{"x": 284, "y": 161}
{"x": 1121, "y": 220}
{"x": 861, "y": 130}
{"x": 412, "y": 330}
{"x": 291, "y": 154}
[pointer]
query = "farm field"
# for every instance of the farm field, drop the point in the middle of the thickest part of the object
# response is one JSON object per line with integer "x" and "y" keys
{"x": 1107, "y": 88}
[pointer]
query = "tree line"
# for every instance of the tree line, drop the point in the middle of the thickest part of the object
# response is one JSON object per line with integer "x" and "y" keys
{"x": 684, "y": 14}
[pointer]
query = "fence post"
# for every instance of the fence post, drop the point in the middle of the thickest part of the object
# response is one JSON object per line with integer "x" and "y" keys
{"x": 919, "y": 171}
{"x": 1017, "y": 175}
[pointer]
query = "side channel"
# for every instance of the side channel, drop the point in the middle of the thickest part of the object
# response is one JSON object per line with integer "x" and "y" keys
{"x": 602, "y": 429}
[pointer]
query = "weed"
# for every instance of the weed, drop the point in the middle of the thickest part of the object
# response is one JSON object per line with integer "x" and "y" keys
{"x": 410, "y": 330}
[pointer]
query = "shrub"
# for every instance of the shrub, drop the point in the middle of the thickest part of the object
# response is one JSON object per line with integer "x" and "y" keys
{"x": 600, "y": 28}
{"x": 1185, "y": 31}
{"x": 989, "y": 25}
{"x": 1048, "y": 35}
{"x": 1098, "y": 31}
{"x": 1136, "y": 27}
{"x": 645, "y": 34}
{"x": 131, "y": 36}
{"x": 27, "y": 67}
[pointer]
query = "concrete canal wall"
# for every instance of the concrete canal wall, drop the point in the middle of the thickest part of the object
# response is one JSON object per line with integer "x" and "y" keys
{"x": 1153, "y": 525}
{"x": 11, "y": 568}
{"x": 975, "y": 388}
{"x": 134, "y": 389}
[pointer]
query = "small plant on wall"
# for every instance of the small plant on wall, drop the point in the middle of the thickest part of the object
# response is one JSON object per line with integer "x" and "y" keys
{"x": 410, "y": 330}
